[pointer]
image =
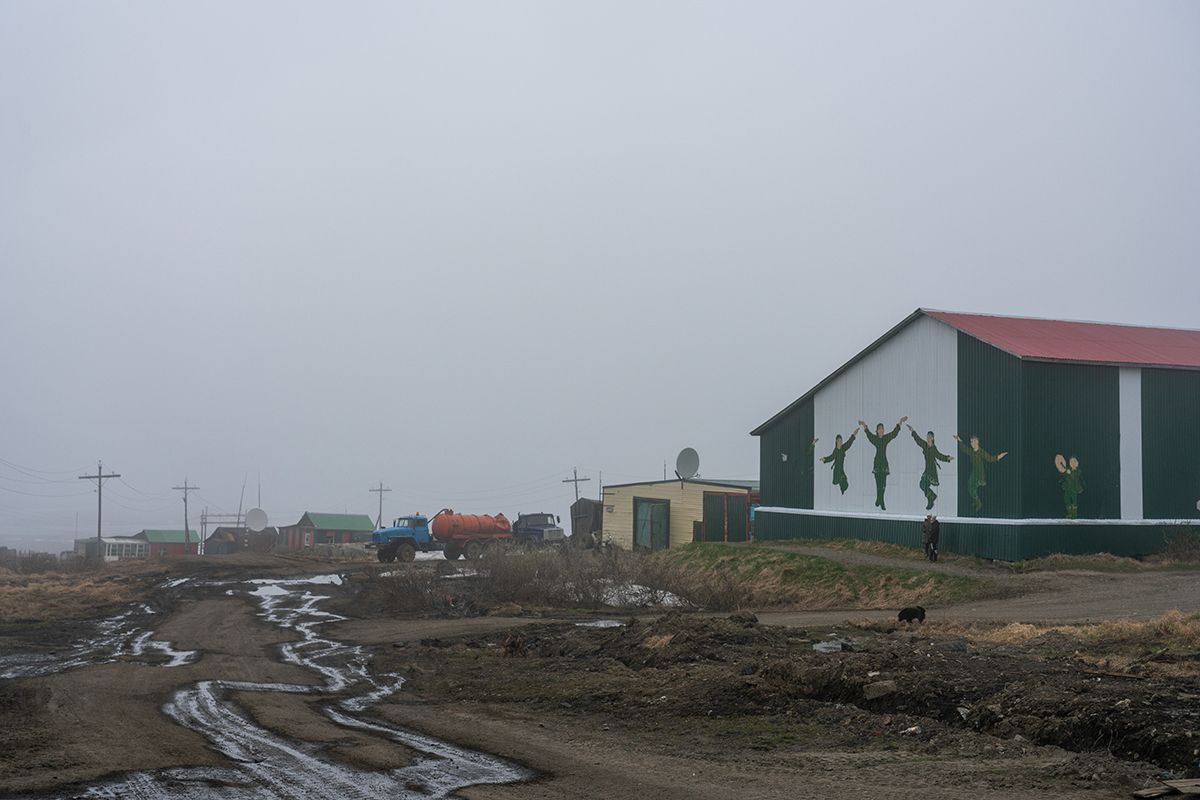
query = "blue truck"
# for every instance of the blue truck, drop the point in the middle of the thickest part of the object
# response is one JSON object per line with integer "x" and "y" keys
{"x": 402, "y": 541}
{"x": 531, "y": 530}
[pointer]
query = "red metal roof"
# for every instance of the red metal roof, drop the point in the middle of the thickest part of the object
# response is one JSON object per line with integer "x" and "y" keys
{"x": 1061, "y": 340}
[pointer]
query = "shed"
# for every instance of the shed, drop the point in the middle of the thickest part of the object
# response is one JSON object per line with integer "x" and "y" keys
{"x": 659, "y": 514}
{"x": 587, "y": 519}
{"x": 1072, "y": 437}
{"x": 314, "y": 529}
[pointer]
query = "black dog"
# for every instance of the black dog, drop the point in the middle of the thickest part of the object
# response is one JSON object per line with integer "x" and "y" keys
{"x": 911, "y": 615}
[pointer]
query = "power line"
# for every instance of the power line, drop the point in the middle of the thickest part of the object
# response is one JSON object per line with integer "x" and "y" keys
{"x": 30, "y": 470}
{"x": 144, "y": 494}
{"x": 35, "y": 494}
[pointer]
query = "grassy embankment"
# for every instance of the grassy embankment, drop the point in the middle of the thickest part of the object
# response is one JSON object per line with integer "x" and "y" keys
{"x": 702, "y": 576}
{"x": 757, "y": 577}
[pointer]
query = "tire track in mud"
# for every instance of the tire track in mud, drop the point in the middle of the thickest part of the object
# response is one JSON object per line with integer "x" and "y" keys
{"x": 269, "y": 765}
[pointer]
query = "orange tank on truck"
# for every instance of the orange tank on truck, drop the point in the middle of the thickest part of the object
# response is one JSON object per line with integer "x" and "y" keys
{"x": 468, "y": 534}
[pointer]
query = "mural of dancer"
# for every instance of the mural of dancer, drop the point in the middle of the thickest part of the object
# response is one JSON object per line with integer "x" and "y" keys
{"x": 978, "y": 476}
{"x": 838, "y": 457}
{"x": 880, "y": 467}
{"x": 932, "y": 455}
{"x": 1072, "y": 484}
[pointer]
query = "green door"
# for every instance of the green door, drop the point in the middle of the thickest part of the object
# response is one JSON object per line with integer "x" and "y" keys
{"x": 714, "y": 517}
{"x": 651, "y": 524}
{"x": 737, "y": 517}
{"x": 726, "y": 517}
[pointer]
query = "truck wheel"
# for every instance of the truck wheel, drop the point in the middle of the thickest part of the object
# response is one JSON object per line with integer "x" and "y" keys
{"x": 451, "y": 553}
{"x": 473, "y": 550}
{"x": 406, "y": 552}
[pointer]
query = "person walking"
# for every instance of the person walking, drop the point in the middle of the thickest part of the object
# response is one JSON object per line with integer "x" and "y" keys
{"x": 926, "y": 534}
{"x": 934, "y": 534}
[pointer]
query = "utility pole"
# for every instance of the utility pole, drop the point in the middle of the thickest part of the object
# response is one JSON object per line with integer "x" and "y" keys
{"x": 187, "y": 536}
{"x": 99, "y": 479}
{"x": 381, "y": 490}
{"x": 576, "y": 480}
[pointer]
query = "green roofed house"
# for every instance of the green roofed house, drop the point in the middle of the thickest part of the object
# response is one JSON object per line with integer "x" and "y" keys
{"x": 314, "y": 529}
{"x": 1025, "y": 437}
{"x": 170, "y": 543}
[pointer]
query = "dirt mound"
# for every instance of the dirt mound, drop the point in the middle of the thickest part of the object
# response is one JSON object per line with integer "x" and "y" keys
{"x": 871, "y": 684}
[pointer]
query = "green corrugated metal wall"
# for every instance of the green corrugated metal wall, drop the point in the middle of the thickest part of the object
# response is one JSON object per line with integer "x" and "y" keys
{"x": 1002, "y": 542}
{"x": 1070, "y": 410}
{"x": 989, "y": 406}
{"x": 806, "y": 526}
{"x": 788, "y": 483}
{"x": 1170, "y": 444}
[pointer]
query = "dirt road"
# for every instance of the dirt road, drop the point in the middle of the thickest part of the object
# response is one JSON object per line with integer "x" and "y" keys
{"x": 681, "y": 707}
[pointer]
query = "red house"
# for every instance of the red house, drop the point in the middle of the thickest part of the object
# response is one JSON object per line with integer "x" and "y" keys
{"x": 314, "y": 529}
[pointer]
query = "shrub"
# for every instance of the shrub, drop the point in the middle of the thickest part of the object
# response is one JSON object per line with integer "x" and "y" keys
{"x": 1181, "y": 542}
{"x": 405, "y": 589}
{"x": 558, "y": 577}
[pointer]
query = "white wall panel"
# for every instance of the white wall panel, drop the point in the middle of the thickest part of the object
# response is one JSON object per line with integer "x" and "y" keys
{"x": 914, "y": 374}
{"x": 1130, "y": 405}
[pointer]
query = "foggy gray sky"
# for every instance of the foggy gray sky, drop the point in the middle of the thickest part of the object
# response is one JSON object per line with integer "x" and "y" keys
{"x": 464, "y": 247}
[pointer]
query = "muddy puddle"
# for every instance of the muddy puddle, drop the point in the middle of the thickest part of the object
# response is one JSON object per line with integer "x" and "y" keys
{"x": 265, "y": 764}
{"x": 121, "y": 638}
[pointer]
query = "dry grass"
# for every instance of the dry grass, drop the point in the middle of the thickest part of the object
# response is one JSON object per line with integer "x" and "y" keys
{"x": 54, "y": 596}
{"x": 1172, "y": 630}
{"x": 1096, "y": 562}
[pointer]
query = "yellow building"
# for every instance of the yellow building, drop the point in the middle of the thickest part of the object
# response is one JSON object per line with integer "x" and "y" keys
{"x": 660, "y": 514}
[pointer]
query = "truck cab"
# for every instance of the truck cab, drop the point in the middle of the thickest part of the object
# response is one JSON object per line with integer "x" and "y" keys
{"x": 537, "y": 529}
{"x": 402, "y": 541}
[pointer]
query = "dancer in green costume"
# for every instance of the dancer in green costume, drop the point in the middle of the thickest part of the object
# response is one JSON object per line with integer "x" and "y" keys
{"x": 1072, "y": 484}
{"x": 880, "y": 467}
{"x": 978, "y": 476}
{"x": 932, "y": 456}
{"x": 838, "y": 457}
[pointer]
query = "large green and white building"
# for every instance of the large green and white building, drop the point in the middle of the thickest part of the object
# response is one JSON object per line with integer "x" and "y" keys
{"x": 1075, "y": 437}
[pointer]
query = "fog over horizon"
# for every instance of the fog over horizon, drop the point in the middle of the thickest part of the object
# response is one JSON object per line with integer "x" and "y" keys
{"x": 461, "y": 249}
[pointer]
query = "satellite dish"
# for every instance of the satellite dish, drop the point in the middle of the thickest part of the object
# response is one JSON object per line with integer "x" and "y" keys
{"x": 687, "y": 464}
{"x": 256, "y": 519}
